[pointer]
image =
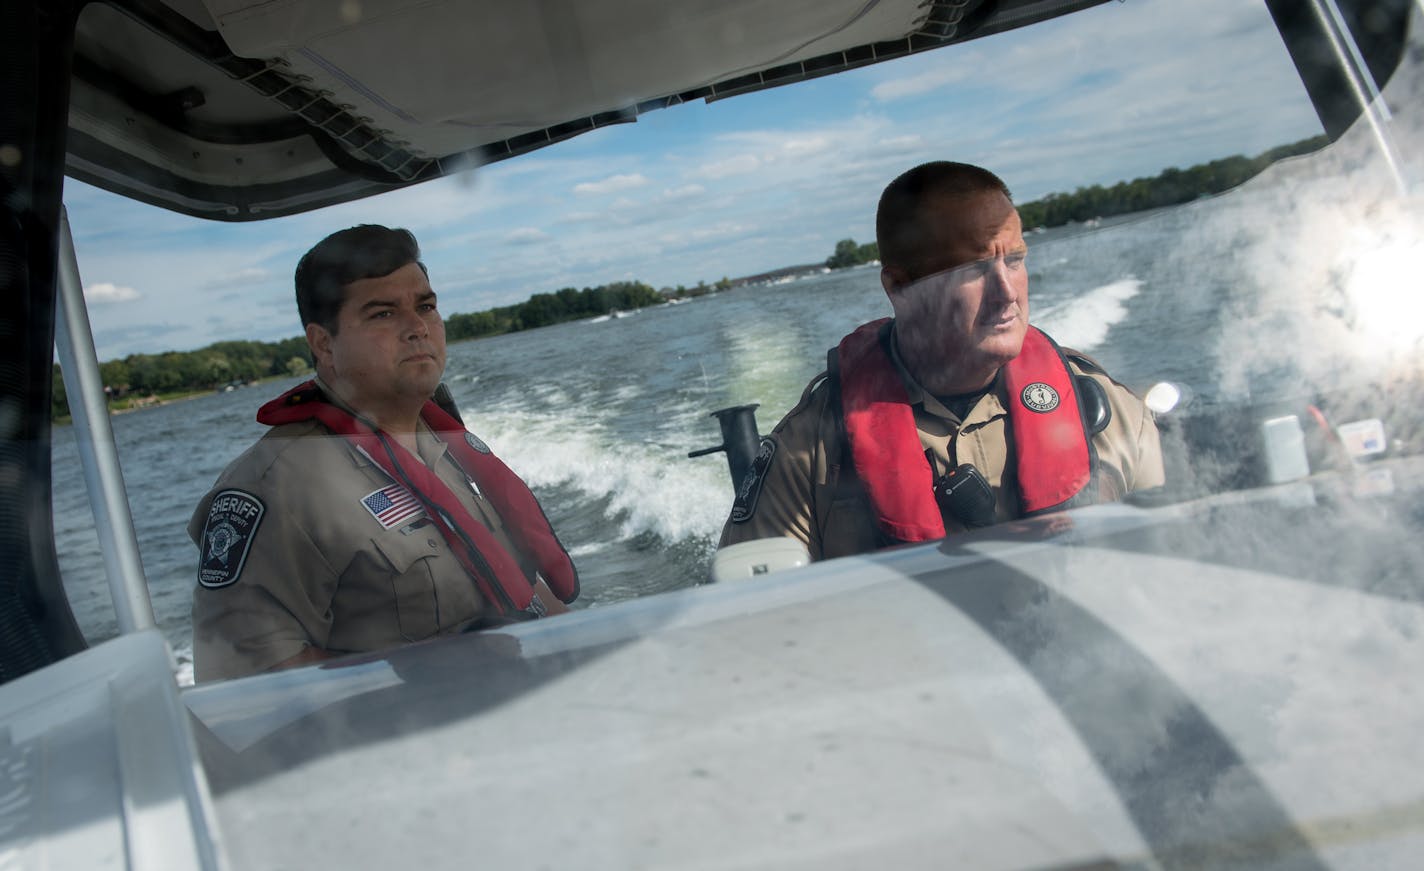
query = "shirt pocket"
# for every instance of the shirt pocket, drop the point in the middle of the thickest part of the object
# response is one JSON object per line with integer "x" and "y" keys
{"x": 412, "y": 580}
{"x": 849, "y": 529}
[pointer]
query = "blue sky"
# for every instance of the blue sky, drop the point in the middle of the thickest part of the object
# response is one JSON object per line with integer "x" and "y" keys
{"x": 702, "y": 191}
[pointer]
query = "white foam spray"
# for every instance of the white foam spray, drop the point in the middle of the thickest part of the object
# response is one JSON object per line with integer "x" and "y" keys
{"x": 1084, "y": 321}
{"x": 650, "y": 486}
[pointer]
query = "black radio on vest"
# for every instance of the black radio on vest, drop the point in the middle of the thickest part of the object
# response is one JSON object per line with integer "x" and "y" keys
{"x": 966, "y": 496}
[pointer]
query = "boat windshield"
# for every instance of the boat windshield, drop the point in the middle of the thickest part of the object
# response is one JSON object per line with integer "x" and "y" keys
{"x": 1171, "y": 617}
{"x": 1190, "y": 227}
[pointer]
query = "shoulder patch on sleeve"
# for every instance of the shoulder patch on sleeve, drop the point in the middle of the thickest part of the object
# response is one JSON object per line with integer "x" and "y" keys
{"x": 232, "y": 522}
{"x": 750, "y": 490}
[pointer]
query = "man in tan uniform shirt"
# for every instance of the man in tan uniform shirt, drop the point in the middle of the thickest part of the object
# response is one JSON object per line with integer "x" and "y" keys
{"x": 952, "y": 250}
{"x": 309, "y": 548}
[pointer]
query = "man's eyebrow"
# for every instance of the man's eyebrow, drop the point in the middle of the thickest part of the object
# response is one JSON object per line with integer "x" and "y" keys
{"x": 989, "y": 258}
{"x": 391, "y": 303}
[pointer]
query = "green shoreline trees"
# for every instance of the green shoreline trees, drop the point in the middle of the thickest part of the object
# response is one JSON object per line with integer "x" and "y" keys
{"x": 1170, "y": 187}
{"x": 136, "y": 378}
{"x": 546, "y": 309}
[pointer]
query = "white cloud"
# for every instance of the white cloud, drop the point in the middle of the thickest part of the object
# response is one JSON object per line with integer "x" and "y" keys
{"x": 721, "y": 231}
{"x": 685, "y": 192}
{"x": 611, "y": 184}
{"x": 582, "y": 217}
{"x": 240, "y": 278}
{"x": 802, "y": 147}
{"x": 902, "y": 143}
{"x": 739, "y": 165}
{"x": 526, "y": 236}
{"x": 104, "y": 292}
{"x": 911, "y": 86}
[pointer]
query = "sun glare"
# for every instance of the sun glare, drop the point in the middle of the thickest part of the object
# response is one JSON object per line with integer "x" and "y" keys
{"x": 1387, "y": 309}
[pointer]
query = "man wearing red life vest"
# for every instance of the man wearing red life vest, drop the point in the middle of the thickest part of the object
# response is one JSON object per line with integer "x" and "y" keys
{"x": 954, "y": 414}
{"x": 367, "y": 517}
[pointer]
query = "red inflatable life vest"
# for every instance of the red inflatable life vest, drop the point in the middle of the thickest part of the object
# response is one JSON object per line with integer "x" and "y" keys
{"x": 495, "y": 571}
{"x": 1053, "y": 456}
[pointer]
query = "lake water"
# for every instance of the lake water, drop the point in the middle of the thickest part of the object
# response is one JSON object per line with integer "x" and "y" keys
{"x": 1237, "y": 296}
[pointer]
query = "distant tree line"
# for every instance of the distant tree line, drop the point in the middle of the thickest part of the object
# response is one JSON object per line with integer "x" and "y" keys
{"x": 848, "y": 253}
{"x": 545, "y": 309}
{"x": 1168, "y": 188}
{"x": 173, "y": 372}
{"x": 138, "y": 378}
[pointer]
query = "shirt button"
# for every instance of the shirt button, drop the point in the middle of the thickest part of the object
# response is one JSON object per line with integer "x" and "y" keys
{"x": 431, "y": 542}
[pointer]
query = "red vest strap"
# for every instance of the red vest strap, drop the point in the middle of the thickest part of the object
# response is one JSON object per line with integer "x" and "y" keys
{"x": 1053, "y": 458}
{"x": 524, "y": 517}
{"x": 880, "y": 426}
{"x": 1051, "y": 450}
{"x": 495, "y": 571}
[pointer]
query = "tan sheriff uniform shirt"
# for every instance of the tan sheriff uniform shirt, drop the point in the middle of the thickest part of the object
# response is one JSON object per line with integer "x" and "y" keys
{"x": 291, "y": 555}
{"x": 808, "y": 491}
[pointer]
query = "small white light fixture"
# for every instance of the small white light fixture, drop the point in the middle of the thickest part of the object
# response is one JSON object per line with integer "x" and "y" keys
{"x": 1163, "y": 397}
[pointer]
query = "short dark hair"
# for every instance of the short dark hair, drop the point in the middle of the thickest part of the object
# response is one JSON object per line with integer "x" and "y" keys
{"x": 364, "y": 251}
{"x": 900, "y": 232}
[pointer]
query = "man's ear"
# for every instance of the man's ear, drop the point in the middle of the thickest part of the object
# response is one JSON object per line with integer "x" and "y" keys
{"x": 892, "y": 278}
{"x": 319, "y": 340}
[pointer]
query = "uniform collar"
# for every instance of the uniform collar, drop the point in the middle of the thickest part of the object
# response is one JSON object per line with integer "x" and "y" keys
{"x": 989, "y": 406}
{"x": 333, "y": 399}
{"x": 430, "y": 447}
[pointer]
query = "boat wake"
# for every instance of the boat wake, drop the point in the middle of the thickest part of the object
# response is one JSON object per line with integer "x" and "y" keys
{"x": 637, "y": 488}
{"x": 1083, "y": 322}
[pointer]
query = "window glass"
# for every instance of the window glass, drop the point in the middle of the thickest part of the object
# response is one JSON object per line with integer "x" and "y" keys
{"x": 603, "y": 296}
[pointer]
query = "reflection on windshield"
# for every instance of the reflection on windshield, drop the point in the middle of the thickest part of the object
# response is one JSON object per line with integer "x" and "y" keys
{"x": 1208, "y": 667}
{"x": 1276, "y": 300}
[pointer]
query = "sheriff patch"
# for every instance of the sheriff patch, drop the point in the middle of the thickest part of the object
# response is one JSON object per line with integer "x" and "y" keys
{"x": 1040, "y": 397}
{"x": 750, "y": 490}
{"x": 232, "y": 522}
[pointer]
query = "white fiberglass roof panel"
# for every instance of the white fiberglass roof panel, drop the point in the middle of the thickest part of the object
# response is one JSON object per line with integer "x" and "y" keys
{"x": 450, "y": 75}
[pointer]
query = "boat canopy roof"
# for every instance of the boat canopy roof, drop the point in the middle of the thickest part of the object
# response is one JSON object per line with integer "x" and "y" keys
{"x": 240, "y": 110}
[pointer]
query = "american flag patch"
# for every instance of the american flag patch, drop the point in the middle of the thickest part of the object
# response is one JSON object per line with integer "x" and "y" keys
{"x": 392, "y": 505}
